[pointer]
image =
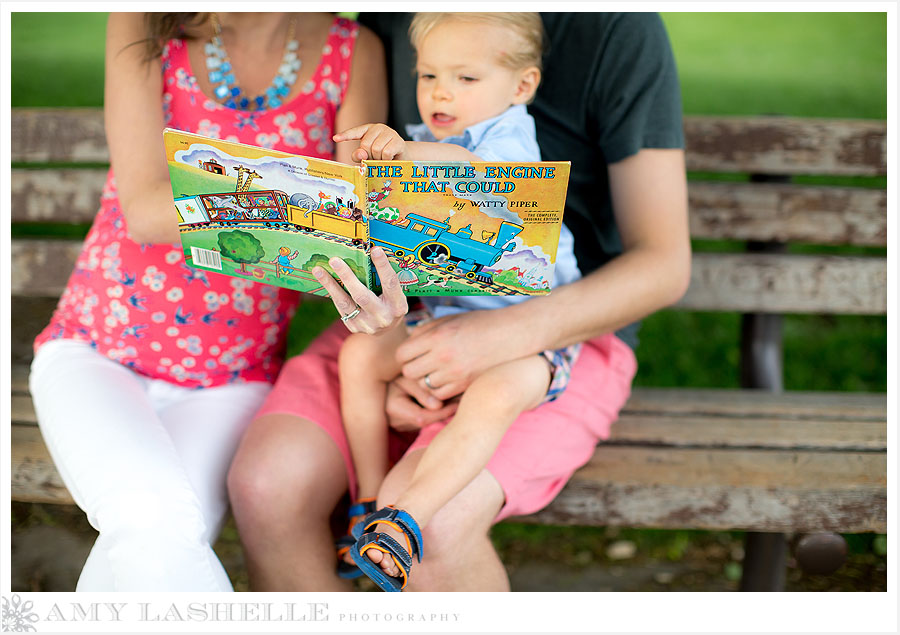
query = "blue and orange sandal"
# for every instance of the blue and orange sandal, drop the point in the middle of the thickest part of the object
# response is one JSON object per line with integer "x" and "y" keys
{"x": 402, "y": 522}
{"x": 356, "y": 514}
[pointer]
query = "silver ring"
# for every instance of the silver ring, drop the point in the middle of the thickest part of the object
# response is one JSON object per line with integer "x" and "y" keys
{"x": 427, "y": 381}
{"x": 351, "y": 315}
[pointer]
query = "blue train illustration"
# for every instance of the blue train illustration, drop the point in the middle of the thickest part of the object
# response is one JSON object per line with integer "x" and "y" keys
{"x": 432, "y": 242}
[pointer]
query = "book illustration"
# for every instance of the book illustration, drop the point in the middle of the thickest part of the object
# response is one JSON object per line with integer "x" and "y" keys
{"x": 466, "y": 231}
{"x": 448, "y": 229}
{"x": 304, "y": 215}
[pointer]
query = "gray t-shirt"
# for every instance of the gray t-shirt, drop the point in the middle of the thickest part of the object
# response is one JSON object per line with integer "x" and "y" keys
{"x": 609, "y": 89}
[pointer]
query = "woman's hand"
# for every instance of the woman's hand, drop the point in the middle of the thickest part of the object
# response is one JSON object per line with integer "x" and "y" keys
{"x": 362, "y": 311}
{"x": 411, "y": 407}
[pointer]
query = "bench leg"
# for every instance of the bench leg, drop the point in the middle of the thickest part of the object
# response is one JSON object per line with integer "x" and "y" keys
{"x": 765, "y": 561}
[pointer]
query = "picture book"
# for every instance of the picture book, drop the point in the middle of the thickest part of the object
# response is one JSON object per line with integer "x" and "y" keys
{"x": 479, "y": 228}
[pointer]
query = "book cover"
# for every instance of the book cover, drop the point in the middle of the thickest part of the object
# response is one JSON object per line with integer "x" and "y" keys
{"x": 474, "y": 228}
{"x": 266, "y": 215}
{"x": 447, "y": 228}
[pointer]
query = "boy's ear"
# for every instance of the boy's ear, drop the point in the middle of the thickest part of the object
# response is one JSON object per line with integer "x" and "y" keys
{"x": 529, "y": 79}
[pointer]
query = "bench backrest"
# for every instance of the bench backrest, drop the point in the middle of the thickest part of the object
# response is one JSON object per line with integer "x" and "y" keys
{"x": 59, "y": 164}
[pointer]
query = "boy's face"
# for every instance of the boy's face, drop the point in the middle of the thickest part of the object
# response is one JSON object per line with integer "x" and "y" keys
{"x": 460, "y": 79}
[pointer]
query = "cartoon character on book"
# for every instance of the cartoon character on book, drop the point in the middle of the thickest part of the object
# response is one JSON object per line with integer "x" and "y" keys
{"x": 472, "y": 104}
{"x": 406, "y": 275}
{"x": 387, "y": 214}
{"x": 283, "y": 259}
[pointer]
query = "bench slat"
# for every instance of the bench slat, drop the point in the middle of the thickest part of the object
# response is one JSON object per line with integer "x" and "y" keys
{"x": 56, "y": 196}
{"x": 734, "y": 211}
{"x": 823, "y": 215}
{"x": 786, "y": 145}
{"x": 650, "y": 487}
{"x": 662, "y": 430}
{"x": 34, "y": 476}
{"x": 720, "y": 282}
{"x": 669, "y": 430}
{"x": 726, "y": 489}
{"x": 775, "y": 283}
{"x": 63, "y": 135}
{"x": 747, "y": 403}
{"x": 773, "y": 145}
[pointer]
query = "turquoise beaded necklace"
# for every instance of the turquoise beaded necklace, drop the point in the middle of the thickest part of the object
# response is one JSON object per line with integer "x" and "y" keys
{"x": 225, "y": 87}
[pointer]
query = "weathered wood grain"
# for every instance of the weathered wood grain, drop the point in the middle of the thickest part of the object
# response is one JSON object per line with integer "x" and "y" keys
{"x": 57, "y": 196}
{"x": 774, "y": 283}
{"x": 748, "y": 403}
{"x": 774, "y": 145}
{"x": 41, "y": 267}
{"x": 786, "y": 145}
{"x": 720, "y": 432}
{"x": 34, "y": 477}
{"x": 819, "y": 430}
{"x": 719, "y": 282}
{"x": 658, "y": 491}
{"x": 651, "y": 487}
{"x": 65, "y": 135}
{"x": 820, "y": 215}
{"x": 735, "y": 211}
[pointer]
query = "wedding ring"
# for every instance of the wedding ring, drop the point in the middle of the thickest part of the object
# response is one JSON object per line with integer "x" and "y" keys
{"x": 427, "y": 381}
{"x": 351, "y": 315}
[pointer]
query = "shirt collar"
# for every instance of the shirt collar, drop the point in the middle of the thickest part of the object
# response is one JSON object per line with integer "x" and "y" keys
{"x": 472, "y": 135}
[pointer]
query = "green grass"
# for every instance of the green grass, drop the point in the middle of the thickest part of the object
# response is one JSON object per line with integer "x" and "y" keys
{"x": 57, "y": 59}
{"x": 803, "y": 64}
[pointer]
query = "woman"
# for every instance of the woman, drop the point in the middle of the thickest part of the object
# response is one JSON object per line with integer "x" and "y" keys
{"x": 149, "y": 370}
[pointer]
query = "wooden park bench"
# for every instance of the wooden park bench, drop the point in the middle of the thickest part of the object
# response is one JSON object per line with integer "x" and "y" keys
{"x": 757, "y": 459}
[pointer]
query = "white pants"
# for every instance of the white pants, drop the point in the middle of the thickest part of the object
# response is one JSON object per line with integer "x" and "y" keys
{"x": 146, "y": 460}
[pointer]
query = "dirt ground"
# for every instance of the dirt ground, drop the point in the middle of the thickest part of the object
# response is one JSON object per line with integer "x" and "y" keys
{"x": 50, "y": 544}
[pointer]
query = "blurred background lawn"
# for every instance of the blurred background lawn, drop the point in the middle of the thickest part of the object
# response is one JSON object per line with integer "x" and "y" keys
{"x": 800, "y": 64}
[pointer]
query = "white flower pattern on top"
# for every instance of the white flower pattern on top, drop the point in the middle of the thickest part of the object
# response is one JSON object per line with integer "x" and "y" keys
{"x": 140, "y": 305}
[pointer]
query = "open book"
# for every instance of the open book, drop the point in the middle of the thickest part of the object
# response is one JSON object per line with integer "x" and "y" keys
{"x": 447, "y": 228}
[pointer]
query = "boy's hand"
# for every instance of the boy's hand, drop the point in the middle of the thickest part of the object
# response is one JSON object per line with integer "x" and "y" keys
{"x": 376, "y": 141}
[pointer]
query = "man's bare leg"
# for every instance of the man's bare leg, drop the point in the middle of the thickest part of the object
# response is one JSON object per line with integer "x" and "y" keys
{"x": 286, "y": 478}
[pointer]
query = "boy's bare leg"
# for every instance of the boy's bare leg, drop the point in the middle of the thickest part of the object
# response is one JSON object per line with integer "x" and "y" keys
{"x": 461, "y": 450}
{"x": 366, "y": 364}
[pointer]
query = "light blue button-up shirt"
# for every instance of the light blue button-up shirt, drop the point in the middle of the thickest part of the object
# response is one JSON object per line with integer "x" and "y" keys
{"x": 509, "y": 136}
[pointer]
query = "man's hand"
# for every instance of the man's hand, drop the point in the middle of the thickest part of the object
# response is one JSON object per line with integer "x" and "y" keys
{"x": 376, "y": 142}
{"x": 411, "y": 407}
{"x": 453, "y": 350}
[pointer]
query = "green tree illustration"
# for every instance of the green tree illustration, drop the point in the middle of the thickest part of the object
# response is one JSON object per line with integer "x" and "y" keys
{"x": 322, "y": 261}
{"x": 242, "y": 247}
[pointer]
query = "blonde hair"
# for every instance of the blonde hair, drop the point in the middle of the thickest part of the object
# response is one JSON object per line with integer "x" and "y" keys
{"x": 527, "y": 45}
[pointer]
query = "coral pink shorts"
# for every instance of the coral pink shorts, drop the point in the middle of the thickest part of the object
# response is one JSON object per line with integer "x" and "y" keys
{"x": 539, "y": 452}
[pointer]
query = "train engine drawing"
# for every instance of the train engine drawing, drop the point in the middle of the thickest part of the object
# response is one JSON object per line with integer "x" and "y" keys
{"x": 433, "y": 243}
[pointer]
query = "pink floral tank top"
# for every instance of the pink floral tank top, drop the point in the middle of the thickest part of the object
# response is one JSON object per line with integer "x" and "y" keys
{"x": 140, "y": 304}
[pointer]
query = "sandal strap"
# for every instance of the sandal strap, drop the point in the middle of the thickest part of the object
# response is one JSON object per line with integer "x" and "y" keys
{"x": 401, "y": 521}
{"x": 388, "y": 546}
{"x": 362, "y": 507}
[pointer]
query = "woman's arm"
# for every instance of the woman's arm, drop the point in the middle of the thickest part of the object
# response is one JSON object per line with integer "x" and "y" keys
{"x": 651, "y": 273}
{"x": 366, "y": 96}
{"x": 134, "y": 125}
{"x": 365, "y": 101}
